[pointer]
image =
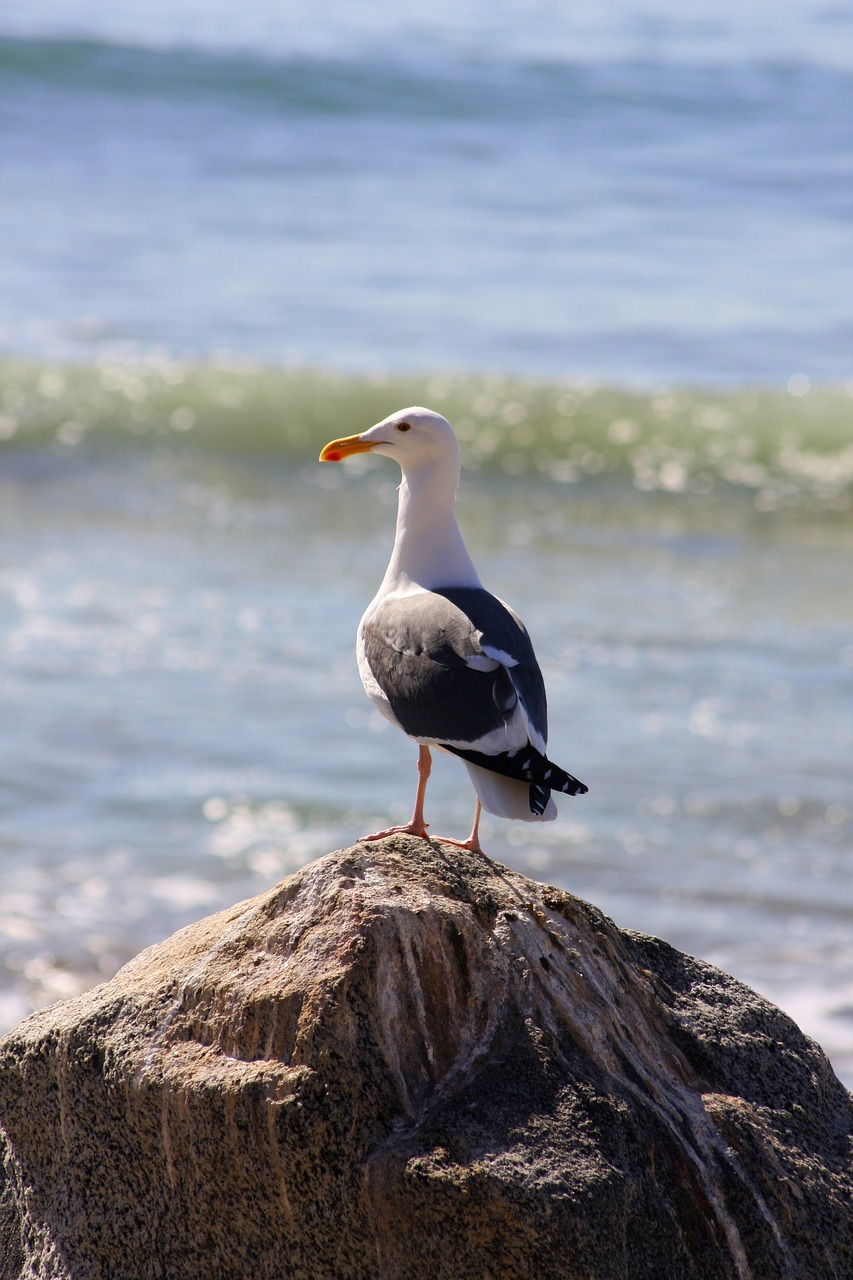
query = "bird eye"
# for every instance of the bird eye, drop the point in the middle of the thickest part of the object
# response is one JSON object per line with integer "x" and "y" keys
{"x": 404, "y": 426}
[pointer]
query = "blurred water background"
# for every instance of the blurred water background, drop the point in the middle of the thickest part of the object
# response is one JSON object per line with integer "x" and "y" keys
{"x": 614, "y": 246}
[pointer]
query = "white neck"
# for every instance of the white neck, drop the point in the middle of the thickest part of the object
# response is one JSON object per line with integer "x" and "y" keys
{"x": 428, "y": 549}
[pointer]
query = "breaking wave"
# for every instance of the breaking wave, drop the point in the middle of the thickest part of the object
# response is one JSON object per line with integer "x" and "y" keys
{"x": 782, "y": 447}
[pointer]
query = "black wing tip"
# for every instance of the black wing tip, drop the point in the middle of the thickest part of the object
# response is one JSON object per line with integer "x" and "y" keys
{"x": 527, "y": 766}
{"x": 539, "y": 797}
{"x": 540, "y": 793}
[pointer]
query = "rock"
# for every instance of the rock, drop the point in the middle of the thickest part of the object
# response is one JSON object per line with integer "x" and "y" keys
{"x": 407, "y": 1061}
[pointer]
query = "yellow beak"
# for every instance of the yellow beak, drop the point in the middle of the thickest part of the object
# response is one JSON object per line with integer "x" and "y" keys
{"x": 335, "y": 450}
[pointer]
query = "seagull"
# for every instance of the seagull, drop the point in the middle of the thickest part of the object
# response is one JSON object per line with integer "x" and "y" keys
{"x": 445, "y": 661}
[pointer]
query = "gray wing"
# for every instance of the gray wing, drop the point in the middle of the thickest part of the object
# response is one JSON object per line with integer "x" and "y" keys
{"x": 504, "y": 637}
{"x": 454, "y": 664}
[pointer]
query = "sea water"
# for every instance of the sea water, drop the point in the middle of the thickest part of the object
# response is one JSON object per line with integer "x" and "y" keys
{"x": 617, "y": 255}
{"x": 642, "y": 191}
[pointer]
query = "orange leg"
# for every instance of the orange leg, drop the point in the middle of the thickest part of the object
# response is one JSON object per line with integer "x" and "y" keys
{"x": 416, "y": 826}
{"x": 473, "y": 841}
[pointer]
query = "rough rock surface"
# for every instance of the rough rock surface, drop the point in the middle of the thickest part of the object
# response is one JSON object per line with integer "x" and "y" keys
{"x": 407, "y": 1061}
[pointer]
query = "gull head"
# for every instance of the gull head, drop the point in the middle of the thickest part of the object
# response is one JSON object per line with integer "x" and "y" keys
{"x": 414, "y": 437}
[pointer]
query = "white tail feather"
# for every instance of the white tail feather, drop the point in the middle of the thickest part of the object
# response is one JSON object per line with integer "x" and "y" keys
{"x": 506, "y": 797}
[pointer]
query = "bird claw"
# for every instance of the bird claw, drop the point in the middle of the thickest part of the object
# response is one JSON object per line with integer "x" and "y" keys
{"x": 473, "y": 846}
{"x": 410, "y": 829}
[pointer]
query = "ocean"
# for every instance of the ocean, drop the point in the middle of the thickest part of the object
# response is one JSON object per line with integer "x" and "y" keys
{"x": 615, "y": 248}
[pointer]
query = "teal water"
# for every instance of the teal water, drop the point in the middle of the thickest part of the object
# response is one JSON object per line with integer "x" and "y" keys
{"x": 785, "y": 449}
{"x": 640, "y": 194}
